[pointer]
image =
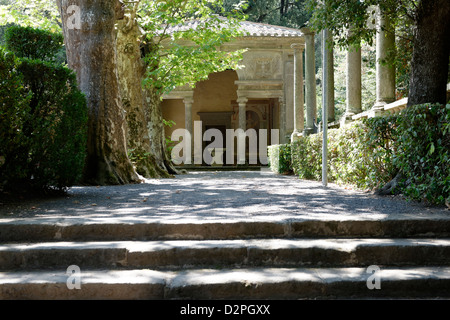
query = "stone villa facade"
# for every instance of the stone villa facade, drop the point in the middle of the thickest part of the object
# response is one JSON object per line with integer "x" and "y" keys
{"x": 264, "y": 89}
{"x": 275, "y": 88}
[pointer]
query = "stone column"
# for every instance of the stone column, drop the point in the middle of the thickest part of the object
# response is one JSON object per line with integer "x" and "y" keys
{"x": 353, "y": 83}
{"x": 188, "y": 122}
{"x": 385, "y": 74}
{"x": 310, "y": 82}
{"x": 241, "y": 150}
{"x": 242, "y": 113}
{"x": 299, "y": 117}
{"x": 288, "y": 100}
{"x": 330, "y": 76}
{"x": 282, "y": 134}
{"x": 188, "y": 114}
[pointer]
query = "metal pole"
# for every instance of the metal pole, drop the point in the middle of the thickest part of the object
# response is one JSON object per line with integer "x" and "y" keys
{"x": 324, "y": 109}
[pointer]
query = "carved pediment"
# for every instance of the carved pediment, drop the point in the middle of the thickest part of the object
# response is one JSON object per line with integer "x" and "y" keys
{"x": 261, "y": 65}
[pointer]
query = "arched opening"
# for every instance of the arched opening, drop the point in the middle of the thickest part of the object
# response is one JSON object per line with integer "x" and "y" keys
{"x": 214, "y": 106}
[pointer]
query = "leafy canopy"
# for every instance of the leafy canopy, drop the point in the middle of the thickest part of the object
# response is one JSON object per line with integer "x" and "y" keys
{"x": 287, "y": 13}
{"x": 28, "y": 42}
{"x": 339, "y": 16}
{"x": 184, "y": 38}
{"x": 193, "y": 53}
{"x": 42, "y": 14}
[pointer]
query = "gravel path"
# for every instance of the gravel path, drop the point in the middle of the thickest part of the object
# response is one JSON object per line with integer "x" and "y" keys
{"x": 216, "y": 196}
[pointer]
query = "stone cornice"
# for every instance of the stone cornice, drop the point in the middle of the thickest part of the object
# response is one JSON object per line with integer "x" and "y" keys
{"x": 307, "y": 31}
{"x": 298, "y": 46}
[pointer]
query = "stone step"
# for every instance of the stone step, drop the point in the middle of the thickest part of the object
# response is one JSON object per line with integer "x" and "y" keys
{"x": 251, "y": 283}
{"x": 19, "y": 231}
{"x": 224, "y": 253}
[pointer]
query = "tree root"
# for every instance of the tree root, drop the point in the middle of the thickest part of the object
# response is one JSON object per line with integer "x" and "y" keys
{"x": 393, "y": 186}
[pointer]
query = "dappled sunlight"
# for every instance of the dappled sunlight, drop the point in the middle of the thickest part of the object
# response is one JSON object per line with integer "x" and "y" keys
{"x": 105, "y": 276}
{"x": 64, "y": 245}
{"x": 385, "y": 274}
{"x": 416, "y": 273}
{"x": 216, "y": 196}
{"x": 250, "y": 277}
{"x": 124, "y": 276}
{"x": 340, "y": 274}
{"x": 32, "y": 277}
{"x": 142, "y": 246}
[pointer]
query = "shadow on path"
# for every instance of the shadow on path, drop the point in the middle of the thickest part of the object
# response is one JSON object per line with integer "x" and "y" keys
{"x": 217, "y": 196}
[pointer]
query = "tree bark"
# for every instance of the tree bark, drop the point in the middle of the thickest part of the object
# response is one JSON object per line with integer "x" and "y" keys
{"x": 430, "y": 60}
{"x": 131, "y": 69}
{"x": 393, "y": 187}
{"x": 157, "y": 133}
{"x": 145, "y": 127}
{"x": 91, "y": 53}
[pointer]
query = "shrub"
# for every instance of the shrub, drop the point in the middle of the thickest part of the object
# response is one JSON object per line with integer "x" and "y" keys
{"x": 3, "y": 29}
{"x": 32, "y": 43}
{"x": 44, "y": 120}
{"x": 14, "y": 113}
{"x": 369, "y": 153}
{"x": 279, "y": 157}
{"x": 381, "y": 139}
{"x": 307, "y": 157}
{"x": 357, "y": 155}
{"x": 423, "y": 152}
{"x": 361, "y": 153}
{"x": 58, "y": 124}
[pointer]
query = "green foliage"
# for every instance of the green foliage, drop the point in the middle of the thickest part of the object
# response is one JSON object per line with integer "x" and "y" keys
{"x": 423, "y": 151}
{"x": 402, "y": 56}
{"x": 14, "y": 110}
{"x": 357, "y": 155}
{"x": 286, "y": 13}
{"x": 368, "y": 89}
{"x": 170, "y": 144}
{"x": 381, "y": 138}
{"x": 339, "y": 16}
{"x": 27, "y": 42}
{"x": 41, "y": 14}
{"x": 57, "y": 124}
{"x": 183, "y": 38}
{"x": 3, "y": 29}
{"x": 138, "y": 156}
{"x": 369, "y": 153}
{"x": 43, "y": 121}
{"x": 279, "y": 157}
{"x": 307, "y": 157}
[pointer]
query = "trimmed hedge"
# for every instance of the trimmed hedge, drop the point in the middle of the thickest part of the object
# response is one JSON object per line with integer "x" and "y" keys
{"x": 43, "y": 119}
{"x": 279, "y": 158}
{"x": 57, "y": 124}
{"x": 14, "y": 114}
{"x": 32, "y": 43}
{"x": 371, "y": 152}
{"x": 423, "y": 154}
{"x": 355, "y": 156}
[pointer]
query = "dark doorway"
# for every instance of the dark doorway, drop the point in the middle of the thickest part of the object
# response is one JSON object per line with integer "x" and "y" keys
{"x": 223, "y": 131}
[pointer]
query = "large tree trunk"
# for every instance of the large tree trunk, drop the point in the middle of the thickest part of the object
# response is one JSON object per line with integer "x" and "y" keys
{"x": 157, "y": 133}
{"x": 131, "y": 69}
{"x": 91, "y": 53}
{"x": 429, "y": 65}
{"x": 145, "y": 127}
